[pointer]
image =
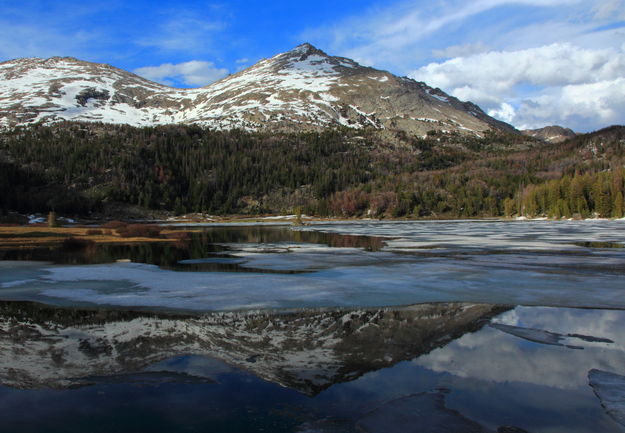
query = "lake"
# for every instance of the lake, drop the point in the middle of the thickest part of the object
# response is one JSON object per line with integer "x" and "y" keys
{"x": 463, "y": 326}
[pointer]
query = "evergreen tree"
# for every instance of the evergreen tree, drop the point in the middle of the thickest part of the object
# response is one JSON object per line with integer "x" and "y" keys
{"x": 618, "y": 205}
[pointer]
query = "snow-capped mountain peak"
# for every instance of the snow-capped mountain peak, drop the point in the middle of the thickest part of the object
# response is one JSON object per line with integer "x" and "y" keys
{"x": 304, "y": 88}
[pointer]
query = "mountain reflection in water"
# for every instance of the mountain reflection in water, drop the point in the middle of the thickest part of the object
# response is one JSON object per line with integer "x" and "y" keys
{"x": 305, "y": 350}
{"x": 321, "y": 370}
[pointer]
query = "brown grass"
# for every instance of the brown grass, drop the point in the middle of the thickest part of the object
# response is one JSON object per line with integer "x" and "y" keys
{"x": 31, "y": 236}
{"x": 139, "y": 231}
{"x": 114, "y": 224}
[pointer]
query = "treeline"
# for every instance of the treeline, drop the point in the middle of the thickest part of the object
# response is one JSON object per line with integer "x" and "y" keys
{"x": 582, "y": 196}
{"x": 521, "y": 183}
{"x": 76, "y": 168}
{"x": 181, "y": 169}
{"x": 24, "y": 189}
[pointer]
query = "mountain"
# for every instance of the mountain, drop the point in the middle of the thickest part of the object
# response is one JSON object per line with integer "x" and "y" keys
{"x": 550, "y": 134}
{"x": 301, "y": 89}
{"x": 307, "y": 350}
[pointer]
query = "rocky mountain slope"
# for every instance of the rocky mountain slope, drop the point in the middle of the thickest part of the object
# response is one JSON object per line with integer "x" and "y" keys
{"x": 550, "y": 134}
{"x": 301, "y": 89}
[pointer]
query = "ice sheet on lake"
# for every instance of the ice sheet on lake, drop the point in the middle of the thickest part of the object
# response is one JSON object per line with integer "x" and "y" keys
{"x": 472, "y": 235}
{"x": 16, "y": 273}
{"x": 610, "y": 389}
{"x": 363, "y": 279}
{"x": 546, "y": 337}
{"x": 306, "y": 257}
{"x": 513, "y": 263}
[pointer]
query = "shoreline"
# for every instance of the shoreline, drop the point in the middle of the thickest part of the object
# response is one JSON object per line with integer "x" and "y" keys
{"x": 32, "y": 236}
{"x": 176, "y": 230}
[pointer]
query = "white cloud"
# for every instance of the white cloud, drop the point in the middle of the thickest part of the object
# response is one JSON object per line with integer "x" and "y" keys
{"x": 536, "y": 48}
{"x": 505, "y": 112}
{"x": 588, "y": 106}
{"x": 460, "y": 50}
{"x": 193, "y": 73}
{"x": 393, "y": 35}
{"x": 556, "y": 64}
{"x": 578, "y": 87}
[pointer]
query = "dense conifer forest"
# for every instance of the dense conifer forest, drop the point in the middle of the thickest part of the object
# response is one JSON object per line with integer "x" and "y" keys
{"x": 82, "y": 169}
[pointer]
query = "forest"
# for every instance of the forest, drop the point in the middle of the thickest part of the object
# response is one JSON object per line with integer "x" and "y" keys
{"x": 90, "y": 168}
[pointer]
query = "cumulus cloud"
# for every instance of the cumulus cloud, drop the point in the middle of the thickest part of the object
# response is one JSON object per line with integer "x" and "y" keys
{"x": 570, "y": 84}
{"x": 505, "y": 112}
{"x": 460, "y": 50}
{"x": 555, "y": 64}
{"x": 587, "y": 106}
{"x": 193, "y": 73}
{"x": 394, "y": 35}
{"x": 539, "y": 52}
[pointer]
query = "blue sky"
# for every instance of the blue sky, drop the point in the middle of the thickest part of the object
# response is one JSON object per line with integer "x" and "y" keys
{"x": 528, "y": 62}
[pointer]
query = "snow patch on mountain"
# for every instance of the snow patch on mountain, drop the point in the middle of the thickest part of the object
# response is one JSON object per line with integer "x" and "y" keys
{"x": 301, "y": 89}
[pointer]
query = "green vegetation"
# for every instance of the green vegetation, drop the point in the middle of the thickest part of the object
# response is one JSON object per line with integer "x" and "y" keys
{"x": 75, "y": 168}
{"x": 581, "y": 196}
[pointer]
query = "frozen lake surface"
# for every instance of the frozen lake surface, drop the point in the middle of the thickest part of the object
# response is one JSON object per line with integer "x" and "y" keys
{"x": 573, "y": 264}
{"x": 477, "y": 326}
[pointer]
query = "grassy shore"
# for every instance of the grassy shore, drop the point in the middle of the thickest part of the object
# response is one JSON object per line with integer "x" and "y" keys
{"x": 40, "y": 235}
{"x": 33, "y": 235}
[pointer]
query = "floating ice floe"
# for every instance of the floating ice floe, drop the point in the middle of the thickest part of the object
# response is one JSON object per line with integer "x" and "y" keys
{"x": 534, "y": 235}
{"x": 546, "y": 337}
{"x": 610, "y": 389}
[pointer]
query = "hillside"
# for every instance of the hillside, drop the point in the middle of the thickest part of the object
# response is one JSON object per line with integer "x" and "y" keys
{"x": 302, "y": 89}
{"x": 550, "y": 134}
{"x": 98, "y": 169}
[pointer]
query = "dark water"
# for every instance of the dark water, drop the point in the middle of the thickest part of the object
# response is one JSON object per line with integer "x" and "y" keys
{"x": 69, "y": 370}
{"x": 210, "y": 242}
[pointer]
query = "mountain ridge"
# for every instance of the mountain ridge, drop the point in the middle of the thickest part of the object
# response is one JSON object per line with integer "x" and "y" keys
{"x": 551, "y": 133}
{"x": 303, "y": 88}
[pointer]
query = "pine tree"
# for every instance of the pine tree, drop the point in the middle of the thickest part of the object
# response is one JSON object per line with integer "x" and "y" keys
{"x": 577, "y": 199}
{"x": 618, "y": 206}
{"x": 509, "y": 207}
{"x": 601, "y": 197}
{"x": 52, "y": 222}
